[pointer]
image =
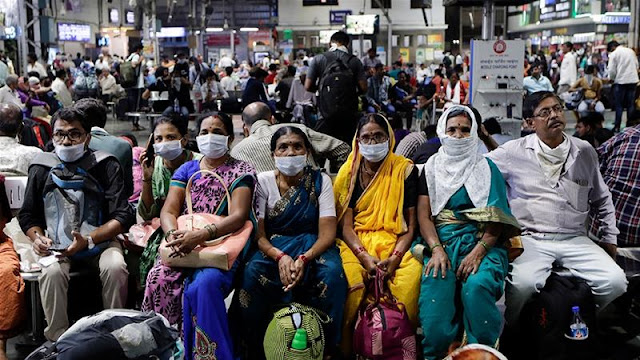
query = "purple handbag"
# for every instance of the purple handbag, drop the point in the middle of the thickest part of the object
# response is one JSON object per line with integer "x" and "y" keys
{"x": 383, "y": 329}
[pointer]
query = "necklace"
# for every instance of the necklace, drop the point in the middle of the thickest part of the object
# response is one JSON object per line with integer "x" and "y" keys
{"x": 369, "y": 172}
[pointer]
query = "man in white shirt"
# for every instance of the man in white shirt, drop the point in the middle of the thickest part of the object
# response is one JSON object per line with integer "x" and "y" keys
{"x": 623, "y": 70}
{"x": 104, "y": 59}
{"x": 14, "y": 157}
{"x": 8, "y": 93}
{"x": 108, "y": 85}
{"x": 422, "y": 74}
{"x": 568, "y": 68}
{"x": 61, "y": 90}
{"x": 553, "y": 187}
{"x": 225, "y": 61}
{"x": 228, "y": 82}
{"x": 34, "y": 66}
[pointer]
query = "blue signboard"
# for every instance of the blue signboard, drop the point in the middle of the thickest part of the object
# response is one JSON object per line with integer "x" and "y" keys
{"x": 612, "y": 19}
{"x": 338, "y": 16}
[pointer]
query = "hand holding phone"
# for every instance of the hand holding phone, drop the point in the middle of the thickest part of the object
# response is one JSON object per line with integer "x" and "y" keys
{"x": 150, "y": 152}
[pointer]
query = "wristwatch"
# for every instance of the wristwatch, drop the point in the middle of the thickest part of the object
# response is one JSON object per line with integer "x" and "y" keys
{"x": 90, "y": 241}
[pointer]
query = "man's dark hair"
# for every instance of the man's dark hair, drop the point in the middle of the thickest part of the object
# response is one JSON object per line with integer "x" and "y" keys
{"x": 258, "y": 73}
{"x": 397, "y": 63}
{"x": 10, "y": 119}
{"x": 32, "y": 56}
{"x": 70, "y": 114}
{"x": 94, "y": 111}
{"x": 569, "y": 44}
{"x": 273, "y": 67}
{"x": 593, "y": 119}
{"x": 136, "y": 48}
{"x": 61, "y": 73}
{"x": 611, "y": 45}
{"x": 78, "y": 55}
{"x": 254, "y": 112}
{"x": 291, "y": 70}
{"x": 590, "y": 69}
{"x": 378, "y": 66}
{"x": 492, "y": 125}
{"x": 228, "y": 70}
{"x": 532, "y": 101}
{"x": 438, "y": 72}
{"x": 340, "y": 37}
{"x": 431, "y": 131}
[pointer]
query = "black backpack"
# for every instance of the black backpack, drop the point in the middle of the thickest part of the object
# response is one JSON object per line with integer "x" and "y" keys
{"x": 545, "y": 321}
{"x": 337, "y": 87}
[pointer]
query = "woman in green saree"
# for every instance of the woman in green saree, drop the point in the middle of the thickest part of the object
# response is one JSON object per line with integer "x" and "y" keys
{"x": 464, "y": 218}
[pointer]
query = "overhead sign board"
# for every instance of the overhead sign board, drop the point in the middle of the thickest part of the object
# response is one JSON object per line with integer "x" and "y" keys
{"x": 74, "y": 32}
{"x": 338, "y": 16}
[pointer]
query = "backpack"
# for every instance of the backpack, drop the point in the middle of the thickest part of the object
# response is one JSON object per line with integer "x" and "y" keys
{"x": 128, "y": 74}
{"x": 115, "y": 334}
{"x": 35, "y": 133}
{"x": 337, "y": 93}
{"x": 72, "y": 199}
{"x": 383, "y": 330}
{"x": 282, "y": 328}
{"x": 545, "y": 321}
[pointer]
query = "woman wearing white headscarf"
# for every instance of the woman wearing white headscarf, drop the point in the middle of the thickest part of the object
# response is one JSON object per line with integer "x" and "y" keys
{"x": 465, "y": 221}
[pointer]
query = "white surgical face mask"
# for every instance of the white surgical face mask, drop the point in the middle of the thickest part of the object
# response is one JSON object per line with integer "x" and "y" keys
{"x": 291, "y": 165}
{"x": 213, "y": 145}
{"x": 70, "y": 153}
{"x": 168, "y": 150}
{"x": 455, "y": 147}
{"x": 375, "y": 152}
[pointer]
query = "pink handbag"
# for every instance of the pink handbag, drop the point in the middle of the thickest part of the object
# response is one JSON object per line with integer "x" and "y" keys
{"x": 220, "y": 253}
{"x": 383, "y": 330}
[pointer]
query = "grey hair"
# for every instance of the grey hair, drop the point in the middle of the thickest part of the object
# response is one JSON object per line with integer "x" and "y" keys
{"x": 11, "y": 79}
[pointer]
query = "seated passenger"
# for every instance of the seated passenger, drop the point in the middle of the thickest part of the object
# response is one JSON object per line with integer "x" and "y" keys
{"x": 298, "y": 259}
{"x": 552, "y": 189}
{"x": 465, "y": 220}
{"x": 12, "y": 307}
{"x": 170, "y": 137}
{"x": 258, "y": 129}
{"x": 71, "y": 136}
{"x": 378, "y": 87}
{"x": 14, "y": 157}
{"x": 619, "y": 169}
{"x": 591, "y": 86}
{"x": 202, "y": 308}
{"x": 376, "y": 199}
{"x": 101, "y": 140}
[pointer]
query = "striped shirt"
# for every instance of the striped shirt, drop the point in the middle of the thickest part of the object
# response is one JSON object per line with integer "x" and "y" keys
{"x": 620, "y": 168}
{"x": 256, "y": 149}
{"x": 408, "y": 146}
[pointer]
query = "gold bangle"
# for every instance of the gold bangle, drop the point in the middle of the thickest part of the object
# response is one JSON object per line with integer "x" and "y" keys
{"x": 484, "y": 245}
{"x": 212, "y": 232}
{"x": 431, "y": 248}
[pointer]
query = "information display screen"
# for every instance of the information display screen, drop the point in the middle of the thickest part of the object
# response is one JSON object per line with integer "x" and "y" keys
{"x": 362, "y": 24}
{"x": 74, "y": 32}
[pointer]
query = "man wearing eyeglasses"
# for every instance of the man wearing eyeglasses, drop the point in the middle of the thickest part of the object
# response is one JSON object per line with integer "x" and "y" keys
{"x": 553, "y": 184}
{"x": 95, "y": 225}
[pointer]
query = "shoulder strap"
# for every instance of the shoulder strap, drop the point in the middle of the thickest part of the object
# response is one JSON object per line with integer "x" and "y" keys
{"x": 96, "y": 157}
{"x": 47, "y": 159}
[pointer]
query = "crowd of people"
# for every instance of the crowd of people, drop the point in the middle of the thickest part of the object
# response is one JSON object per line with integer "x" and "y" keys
{"x": 480, "y": 217}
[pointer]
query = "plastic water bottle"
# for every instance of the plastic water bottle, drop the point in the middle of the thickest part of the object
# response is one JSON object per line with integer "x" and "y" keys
{"x": 299, "y": 339}
{"x": 176, "y": 106}
{"x": 578, "y": 330}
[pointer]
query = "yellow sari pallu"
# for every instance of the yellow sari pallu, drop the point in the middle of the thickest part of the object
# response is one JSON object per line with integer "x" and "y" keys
{"x": 378, "y": 222}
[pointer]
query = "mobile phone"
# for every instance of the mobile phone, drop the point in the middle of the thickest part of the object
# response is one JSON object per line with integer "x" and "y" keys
{"x": 150, "y": 151}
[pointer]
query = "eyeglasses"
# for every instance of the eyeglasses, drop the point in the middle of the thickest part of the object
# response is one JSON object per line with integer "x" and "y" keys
{"x": 546, "y": 112}
{"x": 373, "y": 139}
{"x": 73, "y": 135}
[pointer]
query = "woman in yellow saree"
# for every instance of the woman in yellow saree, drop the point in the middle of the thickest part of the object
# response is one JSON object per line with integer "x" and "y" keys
{"x": 376, "y": 200}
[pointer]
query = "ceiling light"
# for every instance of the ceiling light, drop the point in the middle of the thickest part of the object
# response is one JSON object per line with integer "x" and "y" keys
{"x": 212, "y": 29}
{"x": 249, "y": 29}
